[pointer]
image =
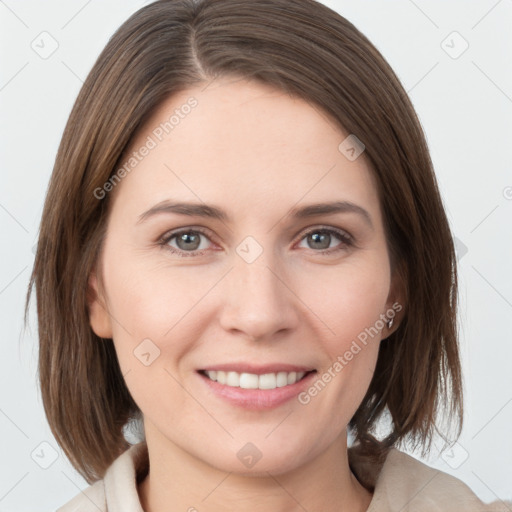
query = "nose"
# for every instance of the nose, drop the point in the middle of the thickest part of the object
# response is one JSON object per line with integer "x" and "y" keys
{"x": 258, "y": 300}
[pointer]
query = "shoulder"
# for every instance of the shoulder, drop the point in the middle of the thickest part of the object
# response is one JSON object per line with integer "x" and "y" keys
{"x": 118, "y": 488}
{"x": 403, "y": 483}
{"x": 406, "y": 483}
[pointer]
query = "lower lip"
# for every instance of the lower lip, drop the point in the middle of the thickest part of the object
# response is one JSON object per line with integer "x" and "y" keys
{"x": 257, "y": 399}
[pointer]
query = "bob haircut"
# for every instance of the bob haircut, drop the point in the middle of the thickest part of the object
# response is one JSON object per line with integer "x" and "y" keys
{"x": 311, "y": 52}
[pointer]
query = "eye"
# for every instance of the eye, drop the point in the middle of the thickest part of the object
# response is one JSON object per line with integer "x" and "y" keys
{"x": 188, "y": 241}
{"x": 320, "y": 238}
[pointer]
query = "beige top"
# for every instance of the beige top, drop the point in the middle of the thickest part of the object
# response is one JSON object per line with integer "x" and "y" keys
{"x": 400, "y": 484}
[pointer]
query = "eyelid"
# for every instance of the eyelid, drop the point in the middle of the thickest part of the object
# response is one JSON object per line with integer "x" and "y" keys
{"x": 168, "y": 235}
{"x": 346, "y": 238}
{"x": 323, "y": 227}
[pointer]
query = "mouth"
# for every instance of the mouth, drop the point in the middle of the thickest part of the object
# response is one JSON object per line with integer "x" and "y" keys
{"x": 262, "y": 381}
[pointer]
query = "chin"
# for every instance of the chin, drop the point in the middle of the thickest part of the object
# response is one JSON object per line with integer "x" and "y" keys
{"x": 246, "y": 459}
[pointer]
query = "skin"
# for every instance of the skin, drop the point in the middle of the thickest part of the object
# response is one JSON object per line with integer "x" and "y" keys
{"x": 255, "y": 152}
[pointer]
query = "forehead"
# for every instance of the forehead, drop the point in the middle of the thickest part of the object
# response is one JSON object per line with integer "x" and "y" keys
{"x": 244, "y": 143}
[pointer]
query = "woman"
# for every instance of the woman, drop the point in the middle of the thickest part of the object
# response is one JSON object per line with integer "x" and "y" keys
{"x": 244, "y": 229}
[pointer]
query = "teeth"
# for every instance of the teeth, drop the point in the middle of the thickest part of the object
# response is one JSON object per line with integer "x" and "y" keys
{"x": 253, "y": 381}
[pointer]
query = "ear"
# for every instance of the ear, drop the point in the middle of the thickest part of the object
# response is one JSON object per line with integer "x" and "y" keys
{"x": 99, "y": 317}
{"x": 395, "y": 304}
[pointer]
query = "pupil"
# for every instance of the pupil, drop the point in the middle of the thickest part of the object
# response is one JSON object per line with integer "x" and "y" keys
{"x": 189, "y": 239}
{"x": 317, "y": 238}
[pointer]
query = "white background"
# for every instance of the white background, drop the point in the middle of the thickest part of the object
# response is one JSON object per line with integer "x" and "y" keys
{"x": 465, "y": 107}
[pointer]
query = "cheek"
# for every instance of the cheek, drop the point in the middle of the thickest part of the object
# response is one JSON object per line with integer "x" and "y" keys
{"x": 348, "y": 300}
{"x": 154, "y": 327}
{"x": 348, "y": 307}
{"x": 150, "y": 299}
{"x": 159, "y": 303}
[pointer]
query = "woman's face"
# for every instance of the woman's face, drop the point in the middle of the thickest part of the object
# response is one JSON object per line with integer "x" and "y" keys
{"x": 248, "y": 280}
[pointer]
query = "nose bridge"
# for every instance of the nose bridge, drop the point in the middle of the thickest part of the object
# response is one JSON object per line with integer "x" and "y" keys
{"x": 257, "y": 301}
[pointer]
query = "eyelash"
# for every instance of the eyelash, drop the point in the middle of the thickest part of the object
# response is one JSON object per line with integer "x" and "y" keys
{"x": 345, "y": 238}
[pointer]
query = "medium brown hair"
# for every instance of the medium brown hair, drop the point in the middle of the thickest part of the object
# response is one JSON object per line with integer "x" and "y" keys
{"x": 310, "y": 51}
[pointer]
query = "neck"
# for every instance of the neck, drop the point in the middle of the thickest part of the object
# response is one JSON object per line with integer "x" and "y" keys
{"x": 179, "y": 481}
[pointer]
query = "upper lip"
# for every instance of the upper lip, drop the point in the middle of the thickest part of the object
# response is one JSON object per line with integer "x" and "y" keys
{"x": 257, "y": 369}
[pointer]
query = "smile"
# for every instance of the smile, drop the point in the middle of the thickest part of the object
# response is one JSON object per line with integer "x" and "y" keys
{"x": 254, "y": 381}
{"x": 255, "y": 387}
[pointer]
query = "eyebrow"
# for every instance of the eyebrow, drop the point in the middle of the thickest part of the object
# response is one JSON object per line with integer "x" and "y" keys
{"x": 214, "y": 212}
